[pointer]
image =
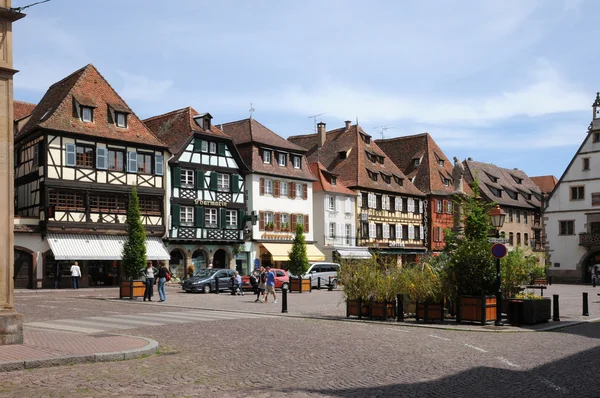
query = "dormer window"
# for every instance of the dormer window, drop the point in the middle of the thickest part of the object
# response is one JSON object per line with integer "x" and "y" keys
{"x": 87, "y": 114}
{"x": 517, "y": 179}
{"x": 281, "y": 159}
{"x": 380, "y": 159}
{"x": 121, "y": 119}
{"x": 212, "y": 147}
{"x": 343, "y": 155}
{"x": 266, "y": 156}
{"x": 441, "y": 162}
{"x": 297, "y": 162}
{"x": 372, "y": 176}
{"x": 596, "y": 137}
{"x": 399, "y": 181}
{"x": 203, "y": 120}
{"x": 416, "y": 162}
{"x": 492, "y": 178}
{"x": 446, "y": 182}
{"x": 366, "y": 138}
{"x": 385, "y": 178}
{"x": 333, "y": 180}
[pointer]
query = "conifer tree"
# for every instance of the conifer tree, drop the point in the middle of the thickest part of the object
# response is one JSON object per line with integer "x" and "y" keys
{"x": 298, "y": 257}
{"x": 134, "y": 249}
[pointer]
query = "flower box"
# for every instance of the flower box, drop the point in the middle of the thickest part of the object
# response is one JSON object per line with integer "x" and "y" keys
{"x": 126, "y": 289}
{"x": 383, "y": 309}
{"x": 300, "y": 285}
{"x": 358, "y": 308}
{"x": 476, "y": 309}
{"x": 429, "y": 311}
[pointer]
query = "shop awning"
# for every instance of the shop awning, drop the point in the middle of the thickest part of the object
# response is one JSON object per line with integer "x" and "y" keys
{"x": 100, "y": 247}
{"x": 356, "y": 254}
{"x": 280, "y": 251}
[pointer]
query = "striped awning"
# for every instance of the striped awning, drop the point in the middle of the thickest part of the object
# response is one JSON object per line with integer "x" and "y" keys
{"x": 280, "y": 251}
{"x": 357, "y": 254}
{"x": 100, "y": 247}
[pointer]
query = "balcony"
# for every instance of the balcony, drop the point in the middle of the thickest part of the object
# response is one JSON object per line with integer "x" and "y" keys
{"x": 536, "y": 245}
{"x": 536, "y": 224}
{"x": 589, "y": 239}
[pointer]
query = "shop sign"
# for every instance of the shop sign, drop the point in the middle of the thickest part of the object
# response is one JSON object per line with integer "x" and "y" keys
{"x": 396, "y": 244}
{"x": 219, "y": 203}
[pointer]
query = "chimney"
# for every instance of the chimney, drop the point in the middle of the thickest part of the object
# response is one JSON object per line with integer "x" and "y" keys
{"x": 321, "y": 132}
{"x": 348, "y": 123}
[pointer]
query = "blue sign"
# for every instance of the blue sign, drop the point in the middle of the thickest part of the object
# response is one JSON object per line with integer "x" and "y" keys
{"x": 256, "y": 263}
{"x": 499, "y": 250}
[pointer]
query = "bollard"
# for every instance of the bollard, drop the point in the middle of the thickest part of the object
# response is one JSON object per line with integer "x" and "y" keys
{"x": 400, "y": 308}
{"x": 284, "y": 301}
{"x": 318, "y": 283}
{"x": 594, "y": 282}
{"x": 550, "y": 280}
{"x": 555, "y": 313}
{"x": 585, "y": 304}
{"x": 217, "y": 285}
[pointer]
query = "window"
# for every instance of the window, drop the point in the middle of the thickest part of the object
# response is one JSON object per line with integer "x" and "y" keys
{"x": 392, "y": 231}
{"x": 391, "y": 203}
{"x": 331, "y": 230}
{"x": 438, "y": 234}
{"x": 438, "y": 206}
{"x": 186, "y": 216}
{"x": 518, "y": 238}
{"x": 450, "y": 208}
{"x": 417, "y": 232}
{"x": 297, "y": 162}
{"x": 348, "y": 234}
{"x": 372, "y": 176}
{"x": 284, "y": 218}
{"x": 283, "y": 189}
{"x": 105, "y": 203}
{"x": 149, "y": 205}
{"x": 441, "y": 162}
{"x": 510, "y": 215}
{"x": 511, "y": 238}
{"x": 577, "y": 193}
{"x": 365, "y": 200}
{"x": 84, "y": 156}
{"x": 187, "y": 178}
{"x": 87, "y": 114}
{"x": 333, "y": 180}
{"x": 331, "y": 203}
{"x": 65, "y": 200}
{"x": 210, "y": 218}
{"x": 416, "y": 162}
{"x": 268, "y": 218}
{"x": 282, "y": 159}
{"x": 525, "y": 217}
{"x": 204, "y": 146}
{"x": 417, "y": 208}
{"x": 586, "y": 164}
{"x": 518, "y": 216}
{"x": 299, "y": 191}
{"x": 121, "y": 119}
{"x": 268, "y": 187}
{"x": 405, "y": 205}
{"x": 36, "y": 154}
{"x": 404, "y": 232}
{"x": 596, "y": 137}
{"x": 266, "y": 156}
{"x": 231, "y": 219}
{"x": 378, "y": 202}
{"x": 300, "y": 219}
{"x": 566, "y": 228}
{"x": 223, "y": 182}
{"x": 526, "y": 239}
{"x": 365, "y": 230}
{"x": 212, "y": 147}
{"x": 379, "y": 231}
{"x": 446, "y": 182}
{"x": 115, "y": 160}
{"x": 144, "y": 163}
{"x": 387, "y": 179}
{"x": 347, "y": 205}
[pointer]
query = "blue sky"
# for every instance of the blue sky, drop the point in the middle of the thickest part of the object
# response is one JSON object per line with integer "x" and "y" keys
{"x": 509, "y": 83}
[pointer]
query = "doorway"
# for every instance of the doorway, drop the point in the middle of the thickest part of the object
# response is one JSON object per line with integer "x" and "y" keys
{"x": 23, "y": 270}
{"x": 220, "y": 259}
{"x": 199, "y": 260}
{"x": 592, "y": 263}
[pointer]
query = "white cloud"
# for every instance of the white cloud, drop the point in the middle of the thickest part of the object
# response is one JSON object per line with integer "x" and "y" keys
{"x": 136, "y": 87}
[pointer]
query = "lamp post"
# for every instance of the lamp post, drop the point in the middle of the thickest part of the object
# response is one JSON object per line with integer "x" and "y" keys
{"x": 497, "y": 217}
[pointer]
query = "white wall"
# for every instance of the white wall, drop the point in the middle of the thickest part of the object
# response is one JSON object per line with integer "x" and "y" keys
{"x": 339, "y": 217}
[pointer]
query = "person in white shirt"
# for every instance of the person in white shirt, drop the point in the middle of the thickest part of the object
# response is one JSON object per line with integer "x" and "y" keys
{"x": 149, "y": 274}
{"x": 75, "y": 274}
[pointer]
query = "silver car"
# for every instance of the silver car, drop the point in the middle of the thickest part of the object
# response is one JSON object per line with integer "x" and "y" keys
{"x": 328, "y": 272}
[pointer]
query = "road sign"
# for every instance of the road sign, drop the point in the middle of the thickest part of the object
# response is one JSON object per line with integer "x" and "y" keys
{"x": 499, "y": 250}
{"x": 256, "y": 263}
{"x": 497, "y": 240}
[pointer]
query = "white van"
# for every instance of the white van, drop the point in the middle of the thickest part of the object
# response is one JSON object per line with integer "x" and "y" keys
{"x": 324, "y": 271}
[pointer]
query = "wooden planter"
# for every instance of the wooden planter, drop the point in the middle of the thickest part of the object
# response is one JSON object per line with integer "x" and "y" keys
{"x": 429, "y": 311}
{"x": 126, "y": 290}
{"x": 383, "y": 309}
{"x": 358, "y": 308}
{"x": 539, "y": 281}
{"x": 536, "y": 311}
{"x": 300, "y": 285}
{"x": 476, "y": 309}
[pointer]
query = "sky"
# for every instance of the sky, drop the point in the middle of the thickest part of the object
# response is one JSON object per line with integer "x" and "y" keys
{"x": 509, "y": 83}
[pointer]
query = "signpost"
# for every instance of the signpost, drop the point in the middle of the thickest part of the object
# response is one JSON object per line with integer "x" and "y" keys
{"x": 497, "y": 240}
{"x": 499, "y": 250}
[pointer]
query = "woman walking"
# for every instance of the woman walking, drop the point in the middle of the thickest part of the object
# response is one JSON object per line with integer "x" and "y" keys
{"x": 162, "y": 279}
{"x": 149, "y": 274}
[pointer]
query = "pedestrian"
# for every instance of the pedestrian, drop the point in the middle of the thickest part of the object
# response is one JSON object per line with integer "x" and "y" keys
{"x": 262, "y": 283}
{"x": 75, "y": 274}
{"x": 270, "y": 284}
{"x": 57, "y": 272}
{"x": 254, "y": 276}
{"x": 149, "y": 274}
{"x": 162, "y": 279}
{"x": 237, "y": 283}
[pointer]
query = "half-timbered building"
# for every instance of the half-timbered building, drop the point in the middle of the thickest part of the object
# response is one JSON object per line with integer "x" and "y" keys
{"x": 206, "y": 193}
{"x": 77, "y": 157}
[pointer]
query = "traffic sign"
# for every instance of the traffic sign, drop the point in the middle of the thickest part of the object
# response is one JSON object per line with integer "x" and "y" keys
{"x": 497, "y": 240}
{"x": 499, "y": 250}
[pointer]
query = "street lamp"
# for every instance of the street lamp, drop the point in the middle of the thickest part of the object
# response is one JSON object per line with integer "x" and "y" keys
{"x": 497, "y": 217}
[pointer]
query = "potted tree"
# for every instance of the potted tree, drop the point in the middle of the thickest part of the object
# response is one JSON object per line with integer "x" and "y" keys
{"x": 424, "y": 287}
{"x": 387, "y": 286}
{"x": 134, "y": 251}
{"x": 358, "y": 281}
{"x": 299, "y": 262}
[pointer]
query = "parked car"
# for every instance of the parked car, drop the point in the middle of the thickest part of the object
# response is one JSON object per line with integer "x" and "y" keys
{"x": 205, "y": 280}
{"x": 282, "y": 280}
{"x": 328, "y": 272}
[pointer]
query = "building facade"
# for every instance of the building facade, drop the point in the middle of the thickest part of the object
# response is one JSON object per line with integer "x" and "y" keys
{"x": 389, "y": 208}
{"x": 206, "y": 193}
{"x": 280, "y": 193}
{"x": 572, "y": 211}
{"x": 76, "y": 160}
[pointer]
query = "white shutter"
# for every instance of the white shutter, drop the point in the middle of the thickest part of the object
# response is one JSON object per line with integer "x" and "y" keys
{"x": 411, "y": 205}
{"x": 340, "y": 232}
{"x": 386, "y": 231}
{"x": 159, "y": 165}
{"x": 372, "y": 230}
{"x": 359, "y": 199}
{"x": 101, "y": 155}
{"x": 398, "y": 231}
{"x": 132, "y": 162}
{"x": 370, "y": 196}
{"x": 326, "y": 202}
{"x": 420, "y": 232}
{"x": 70, "y": 158}
{"x": 398, "y": 204}
{"x": 411, "y": 232}
{"x": 386, "y": 202}
{"x": 347, "y": 205}
{"x": 420, "y": 206}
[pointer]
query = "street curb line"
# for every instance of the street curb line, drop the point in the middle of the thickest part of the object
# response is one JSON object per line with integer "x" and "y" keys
{"x": 150, "y": 348}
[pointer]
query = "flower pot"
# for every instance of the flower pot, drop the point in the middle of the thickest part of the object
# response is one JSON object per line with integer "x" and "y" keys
{"x": 383, "y": 309}
{"x": 536, "y": 311}
{"x": 300, "y": 285}
{"x": 358, "y": 308}
{"x": 429, "y": 311}
{"x": 476, "y": 309}
{"x": 126, "y": 287}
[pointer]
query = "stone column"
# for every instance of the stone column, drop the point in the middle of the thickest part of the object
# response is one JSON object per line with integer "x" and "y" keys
{"x": 11, "y": 323}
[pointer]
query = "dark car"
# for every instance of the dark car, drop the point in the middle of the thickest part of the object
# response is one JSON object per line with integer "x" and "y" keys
{"x": 205, "y": 280}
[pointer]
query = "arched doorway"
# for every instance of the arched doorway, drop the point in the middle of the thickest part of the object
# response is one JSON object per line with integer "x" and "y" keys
{"x": 199, "y": 260}
{"x": 177, "y": 263}
{"x": 23, "y": 270}
{"x": 220, "y": 259}
{"x": 593, "y": 261}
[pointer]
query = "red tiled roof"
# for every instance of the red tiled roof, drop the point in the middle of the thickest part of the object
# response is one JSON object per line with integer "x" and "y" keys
{"x": 22, "y": 109}
{"x": 545, "y": 183}
{"x": 352, "y": 170}
{"x": 88, "y": 87}
{"x": 250, "y": 131}
{"x": 175, "y": 128}
{"x": 429, "y": 174}
{"x": 323, "y": 182}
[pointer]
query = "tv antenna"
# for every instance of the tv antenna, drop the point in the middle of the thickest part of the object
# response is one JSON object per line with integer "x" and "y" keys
{"x": 20, "y": 9}
{"x": 384, "y": 129}
{"x": 315, "y": 119}
{"x": 251, "y": 110}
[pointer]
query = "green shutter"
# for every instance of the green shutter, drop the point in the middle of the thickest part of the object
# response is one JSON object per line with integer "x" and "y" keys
{"x": 221, "y": 148}
{"x": 197, "y": 145}
{"x": 199, "y": 179}
{"x": 223, "y": 219}
{"x": 199, "y": 216}
{"x": 177, "y": 177}
{"x": 175, "y": 215}
{"x": 241, "y": 219}
{"x": 213, "y": 181}
{"x": 235, "y": 183}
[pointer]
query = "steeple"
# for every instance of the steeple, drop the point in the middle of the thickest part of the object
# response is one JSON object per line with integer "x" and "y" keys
{"x": 596, "y": 107}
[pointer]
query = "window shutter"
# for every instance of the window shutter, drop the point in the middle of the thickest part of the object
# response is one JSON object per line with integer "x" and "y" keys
{"x": 223, "y": 217}
{"x": 276, "y": 188}
{"x": 175, "y": 215}
{"x": 305, "y": 191}
{"x": 177, "y": 177}
{"x": 241, "y": 219}
{"x": 398, "y": 204}
{"x": 235, "y": 183}
{"x": 411, "y": 233}
{"x": 213, "y": 181}
{"x": 261, "y": 220}
{"x": 306, "y": 223}
{"x": 326, "y": 202}
{"x": 411, "y": 205}
{"x": 372, "y": 230}
{"x": 420, "y": 206}
{"x": 293, "y": 223}
{"x": 197, "y": 145}
{"x": 340, "y": 231}
{"x": 398, "y": 231}
{"x": 199, "y": 179}
{"x": 386, "y": 231}
{"x": 159, "y": 165}
{"x": 199, "y": 210}
{"x": 293, "y": 191}
{"x": 132, "y": 162}
{"x": 101, "y": 155}
{"x": 221, "y": 148}
{"x": 359, "y": 199}
{"x": 347, "y": 205}
{"x": 277, "y": 222}
{"x": 262, "y": 186}
{"x": 70, "y": 158}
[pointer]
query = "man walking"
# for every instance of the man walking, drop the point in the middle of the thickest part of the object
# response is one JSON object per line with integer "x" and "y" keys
{"x": 75, "y": 274}
{"x": 270, "y": 284}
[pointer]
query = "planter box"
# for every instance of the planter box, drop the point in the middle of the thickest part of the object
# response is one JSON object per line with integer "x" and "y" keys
{"x": 429, "y": 311}
{"x": 125, "y": 289}
{"x": 539, "y": 281}
{"x": 536, "y": 311}
{"x": 476, "y": 309}
{"x": 383, "y": 309}
{"x": 300, "y": 285}
{"x": 358, "y": 308}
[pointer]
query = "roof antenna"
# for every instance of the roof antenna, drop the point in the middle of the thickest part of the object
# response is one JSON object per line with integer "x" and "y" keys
{"x": 384, "y": 129}
{"x": 315, "y": 119}
{"x": 20, "y": 9}
{"x": 251, "y": 110}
